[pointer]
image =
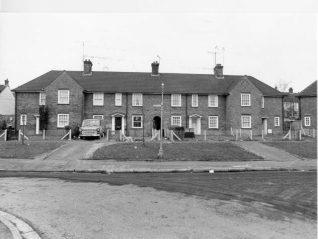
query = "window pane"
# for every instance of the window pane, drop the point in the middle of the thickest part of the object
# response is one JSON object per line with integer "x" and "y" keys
{"x": 137, "y": 121}
{"x": 118, "y": 97}
{"x": 63, "y": 120}
{"x": 98, "y": 99}
{"x": 137, "y": 99}
{"x": 63, "y": 96}
{"x": 194, "y": 100}
{"x": 176, "y": 100}
{"x": 213, "y": 122}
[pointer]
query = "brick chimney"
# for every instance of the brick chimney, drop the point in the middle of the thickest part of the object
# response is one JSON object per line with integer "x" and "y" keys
{"x": 290, "y": 90}
{"x": 218, "y": 71}
{"x": 87, "y": 67}
{"x": 6, "y": 82}
{"x": 155, "y": 68}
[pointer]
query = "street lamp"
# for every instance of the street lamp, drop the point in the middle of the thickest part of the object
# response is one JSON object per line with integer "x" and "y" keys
{"x": 160, "y": 154}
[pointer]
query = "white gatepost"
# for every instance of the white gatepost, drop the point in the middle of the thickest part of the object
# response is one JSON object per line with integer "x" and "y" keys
{"x": 205, "y": 135}
{"x": 251, "y": 134}
{"x": 43, "y": 134}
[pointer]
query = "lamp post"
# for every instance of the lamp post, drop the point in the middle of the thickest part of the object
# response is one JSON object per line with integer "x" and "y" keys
{"x": 160, "y": 154}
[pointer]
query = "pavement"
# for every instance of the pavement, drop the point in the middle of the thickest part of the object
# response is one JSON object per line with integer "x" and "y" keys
{"x": 72, "y": 157}
{"x": 12, "y": 227}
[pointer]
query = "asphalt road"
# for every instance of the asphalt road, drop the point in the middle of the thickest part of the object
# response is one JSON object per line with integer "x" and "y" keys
{"x": 291, "y": 192}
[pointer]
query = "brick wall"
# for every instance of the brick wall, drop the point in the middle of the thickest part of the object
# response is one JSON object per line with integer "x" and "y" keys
{"x": 27, "y": 103}
{"x": 234, "y": 110}
{"x": 148, "y": 111}
{"x": 75, "y": 106}
{"x": 308, "y": 107}
{"x": 273, "y": 107}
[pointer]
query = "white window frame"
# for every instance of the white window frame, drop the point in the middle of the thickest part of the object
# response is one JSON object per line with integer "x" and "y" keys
{"x": 178, "y": 118}
{"x": 98, "y": 99}
{"x": 42, "y": 98}
{"x": 213, "y": 101}
{"x": 213, "y": 119}
{"x": 245, "y": 99}
{"x": 176, "y": 100}
{"x": 243, "y": 122}
{"x": 135, "y": 100}
{"x": 276, "y": 121}
{"x": 307, "y": 121}
{"x": 62, "y": 102}
{"x": 23, "y": 119}
{"x": 101, "y": 117}
{"x": 58, "y": 120}
{"x": 195, "y": 100}
{"x": 118, "y": 99}
{"x": 263, "y": 102}
{"x": 133, "y": 121}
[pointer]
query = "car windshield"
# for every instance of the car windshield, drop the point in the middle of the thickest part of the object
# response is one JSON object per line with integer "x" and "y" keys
{"x": 91, "y": 123}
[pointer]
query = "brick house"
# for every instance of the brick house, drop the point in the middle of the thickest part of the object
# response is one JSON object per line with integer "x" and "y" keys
{"x": 308, "y": 106}
{"x": 128, "y": 101}
{"x": 291, "y": 109}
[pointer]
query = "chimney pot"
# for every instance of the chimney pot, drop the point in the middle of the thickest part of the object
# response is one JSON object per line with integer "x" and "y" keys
{"x": 155, "y": 68}
{"x": 6, "y": 82}
{"x": 218, "y": 71}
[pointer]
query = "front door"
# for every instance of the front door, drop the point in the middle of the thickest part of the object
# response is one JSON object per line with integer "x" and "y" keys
{"x": 118, "y": 123}
{"x": 265, "y": 126}
{"x": 195, "y": 123}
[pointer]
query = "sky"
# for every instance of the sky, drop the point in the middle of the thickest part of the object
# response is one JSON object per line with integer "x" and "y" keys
{"x": 277, "y": 45}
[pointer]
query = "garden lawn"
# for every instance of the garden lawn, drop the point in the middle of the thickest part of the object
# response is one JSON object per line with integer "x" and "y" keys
{"x": 304, "y": 149}
{"x": 28, "y": 150}
{"x": 224, "y": 151}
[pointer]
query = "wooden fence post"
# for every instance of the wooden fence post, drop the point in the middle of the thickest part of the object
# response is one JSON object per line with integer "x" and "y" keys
{"x": 251, "y": 134}
{"x": 43, "y": 136}
{"x": 205, "y": 135}
{"x": 70, "y": 134}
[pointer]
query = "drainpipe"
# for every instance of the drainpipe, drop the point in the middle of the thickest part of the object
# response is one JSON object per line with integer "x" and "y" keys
{"x": 126, "y": 118}
{"x": 16, "y": 111}
{"x": 186, "y": 110}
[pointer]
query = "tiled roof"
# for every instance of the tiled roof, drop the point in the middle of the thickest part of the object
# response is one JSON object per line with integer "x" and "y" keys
{"x": 2, "y": 88}
{"x": 143, "y": 82}
{"x": 310, "y": 90}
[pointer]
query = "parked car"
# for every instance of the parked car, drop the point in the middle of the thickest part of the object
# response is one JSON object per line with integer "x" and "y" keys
{"x": 91, "y": 128}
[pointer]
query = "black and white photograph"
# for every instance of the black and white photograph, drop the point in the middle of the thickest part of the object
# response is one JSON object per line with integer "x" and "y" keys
{"x": 137, "y": 119}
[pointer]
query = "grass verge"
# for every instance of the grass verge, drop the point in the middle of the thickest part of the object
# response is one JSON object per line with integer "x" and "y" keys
{"x": 223, "y": 151}
{"x": 304, "y": 149}
{"x": 27, "y": 151}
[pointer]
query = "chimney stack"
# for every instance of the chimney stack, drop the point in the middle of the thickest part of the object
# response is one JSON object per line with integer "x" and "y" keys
{"x": 87, "y": 67}
{"x": 155, "y": 68}
{"x": 6, "y": 82}
{"x": 218, "y": 71}
{"x": 290, "y": 90}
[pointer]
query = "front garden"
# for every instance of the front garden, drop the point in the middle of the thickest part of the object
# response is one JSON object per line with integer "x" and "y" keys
{"x": 29, "y": 150}
{"x": 203, "y": 151}
{"x": 304, "y": 149}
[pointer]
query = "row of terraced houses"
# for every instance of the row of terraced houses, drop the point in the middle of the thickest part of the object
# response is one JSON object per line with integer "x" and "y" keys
{"x": 215, "y": 104}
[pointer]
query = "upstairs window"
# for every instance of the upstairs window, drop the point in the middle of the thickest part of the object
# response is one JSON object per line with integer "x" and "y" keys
{"x": 42, "y": 98}
{"x": 176, "y": 100}
{"x": 98, "y": 99}
{"x": 23, "y": 119}
{"x": 213, "y": 101}
{"x": 276, "y": 121}
{"x": 137, "y": 99}
{"x": 246, "y": 121}
{"x": 118, "y": 99}
{"x": 307, "y": 120}
{"x": 195, "y": 100}
{"x": 245, "y": 99}
{"x": 213, "y": 122}
{"x": 175, "y": 120}
{"x": 63, "y": 97}
{"x": 263, "y": 102}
